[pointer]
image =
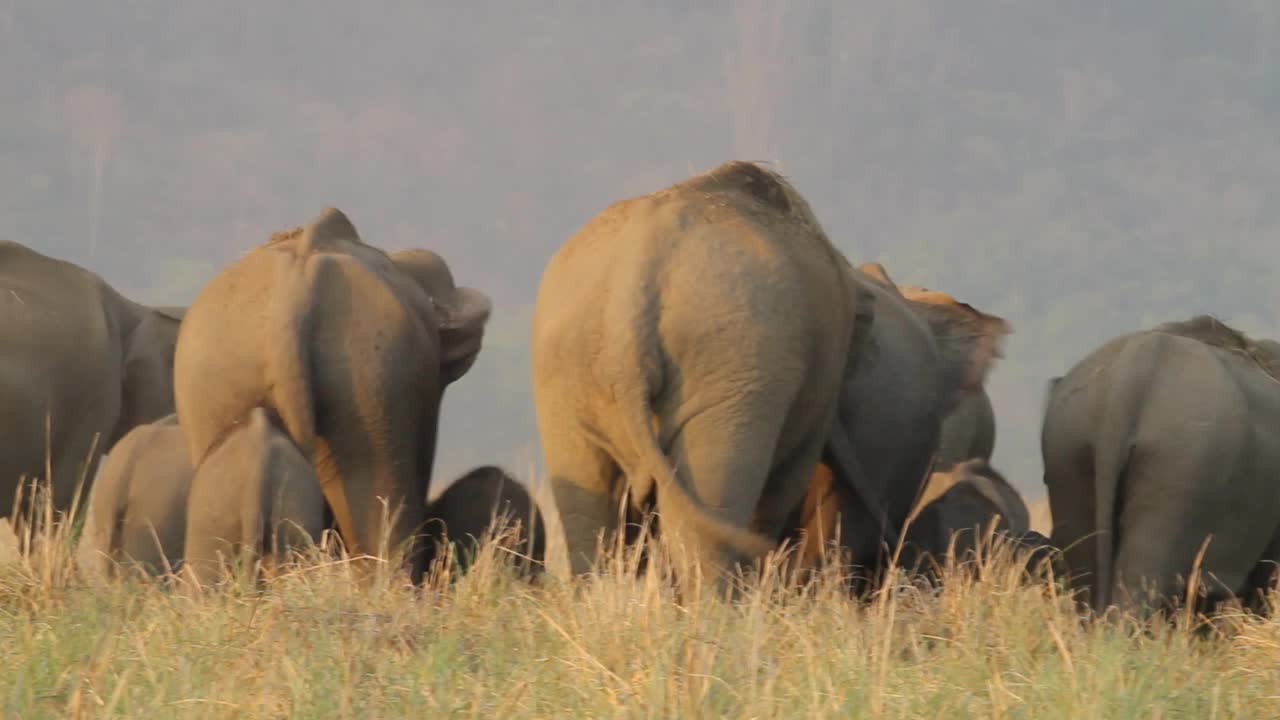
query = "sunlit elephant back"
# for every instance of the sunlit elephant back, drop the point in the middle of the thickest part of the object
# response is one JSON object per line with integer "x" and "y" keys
{"x": 80, "y": 365}
{"x": 348, "y": 352}
{"x": 688, "y": 346}
{"x": 1155, "y": 443}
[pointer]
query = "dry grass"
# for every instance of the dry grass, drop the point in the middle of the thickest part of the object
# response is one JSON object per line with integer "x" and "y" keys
{"x": 315, "y": 642}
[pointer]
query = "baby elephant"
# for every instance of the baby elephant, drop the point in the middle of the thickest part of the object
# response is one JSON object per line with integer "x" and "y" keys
{"x": 963, "y": 502}
{"x": 254, "y": 494}
{"x": 137, "y": 506}
{"x": 466, "y": 509}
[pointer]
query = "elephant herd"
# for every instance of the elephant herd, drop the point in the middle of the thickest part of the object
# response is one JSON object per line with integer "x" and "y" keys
{"x": 702, "y": 352}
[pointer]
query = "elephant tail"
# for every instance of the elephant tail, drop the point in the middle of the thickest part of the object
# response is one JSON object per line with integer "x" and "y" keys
{"x": 634, "y": 408}
{"x": 1111, "y": 463}
{"x": 289, "y": 365}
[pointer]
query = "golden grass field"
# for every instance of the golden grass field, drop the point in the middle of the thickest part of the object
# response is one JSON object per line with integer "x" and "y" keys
{"x": 315, "y": 643}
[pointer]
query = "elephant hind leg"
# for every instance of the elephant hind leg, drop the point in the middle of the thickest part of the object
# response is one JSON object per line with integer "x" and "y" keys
{"x": 803, "y": 500}
{"x": 723, "y": 458}
{"x": 1264, "y": 576}
{"x": 582, "y": 477}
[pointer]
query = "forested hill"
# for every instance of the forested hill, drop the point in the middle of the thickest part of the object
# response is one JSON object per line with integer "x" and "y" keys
{"x": 1081, "y": 168}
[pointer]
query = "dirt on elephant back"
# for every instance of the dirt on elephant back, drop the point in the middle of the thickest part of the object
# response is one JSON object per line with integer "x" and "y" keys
{"x": 280, "y": 236}
{"x": 771, "y": 196}
{"x": 1213, "y": 332}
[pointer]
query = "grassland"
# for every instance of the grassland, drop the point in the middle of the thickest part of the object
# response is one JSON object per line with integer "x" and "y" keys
{"x": 317, "y": 643}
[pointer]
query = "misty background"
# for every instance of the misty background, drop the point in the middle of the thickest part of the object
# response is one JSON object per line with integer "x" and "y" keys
{"x": 1081, "y": 168}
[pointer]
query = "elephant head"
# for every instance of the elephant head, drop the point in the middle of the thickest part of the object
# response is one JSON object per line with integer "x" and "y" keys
{"x": 969, "y": 341}
{"x": 148, "y": 368}
{"x": 966, "y": 499}
{"x": 924, "y": 353}
{"x": 476, "y": 501}
{"x": 461, "y": 311}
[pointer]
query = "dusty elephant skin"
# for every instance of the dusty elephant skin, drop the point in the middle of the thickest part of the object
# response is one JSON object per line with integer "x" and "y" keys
{"x": 927, "y": 355}
{"x": 351, "y": 351}
{"x": 466, "y": 509}
{"x": 1154, "y": 442}
{"x": 137, "y": 508}
{"x": 254, "y": 495}
{"x": 687, "y": 348}
{"x": 964, "y": 502}
{"x": 79, "y": 356}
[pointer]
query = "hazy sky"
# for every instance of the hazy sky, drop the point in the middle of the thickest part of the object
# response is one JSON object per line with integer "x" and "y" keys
{"x": 1078, "y": 168}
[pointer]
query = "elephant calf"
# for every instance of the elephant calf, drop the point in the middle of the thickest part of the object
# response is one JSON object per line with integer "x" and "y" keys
{"x": 962, "y": 503}
{"x": 253, "y": 494}
{"x": 137, "y": 508}
{"x": 473, "y": 502}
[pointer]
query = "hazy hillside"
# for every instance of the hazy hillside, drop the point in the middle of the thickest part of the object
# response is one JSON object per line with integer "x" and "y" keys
{"x": 1080, "y": 168}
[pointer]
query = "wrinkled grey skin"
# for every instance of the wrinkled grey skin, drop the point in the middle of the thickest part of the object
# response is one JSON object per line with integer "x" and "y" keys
{"x": 351, "y": 350}
{"x": 927, "y": 354}
{"x": 254, "y": 496}
{"x": 138, "y": 505}
{"x": 968, "y": 432}
{"x": 965, "y": 502}
{"x": 466, "y": 509}
{"x": 79, "y": 356}
{"x": 687, "y": 349}
{"x": 1155, "y": 441}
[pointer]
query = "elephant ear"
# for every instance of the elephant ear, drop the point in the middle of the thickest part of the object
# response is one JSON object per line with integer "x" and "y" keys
{"x": 463, "y": 315}
{"x": 996, "y": 488}
{"x": 969, "y": 341}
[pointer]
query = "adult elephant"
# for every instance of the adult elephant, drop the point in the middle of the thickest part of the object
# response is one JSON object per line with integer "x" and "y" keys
{"x": 350, "y": 352}
{"x": 1155, "y": 443}
{"x": 687, "y": 350}
{"x": 469, "y": 508}
{"x": 80, "y": 365}
{"x": 928, "y": 353}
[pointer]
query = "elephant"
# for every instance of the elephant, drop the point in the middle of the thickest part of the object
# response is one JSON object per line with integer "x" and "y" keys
{"x": 351, "y": 349}
{"x": 137, "y": 507}
{"x": 467, "y": 508}
{"x": 254, "y": 495}
{"x": 687, "y": 350}
{"x": 968, "y": 432}
{"x": 81, "y": 365}
{"x": 1155, "y": 443}
{"x": 962, "y": 503}
{"x": 928, "y": 355}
